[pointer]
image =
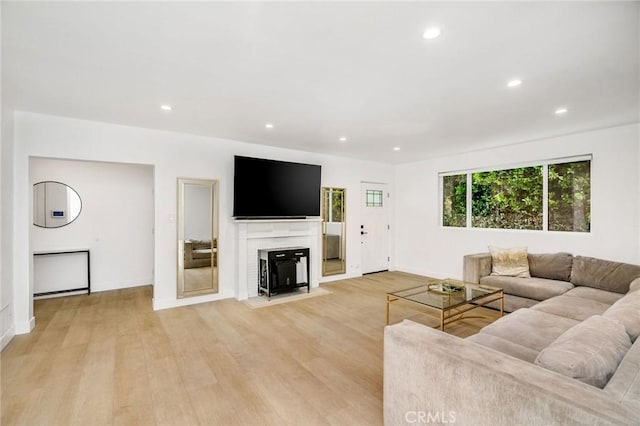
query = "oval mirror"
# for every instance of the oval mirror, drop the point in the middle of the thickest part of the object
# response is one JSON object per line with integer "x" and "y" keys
{"x": 55, "y": 204}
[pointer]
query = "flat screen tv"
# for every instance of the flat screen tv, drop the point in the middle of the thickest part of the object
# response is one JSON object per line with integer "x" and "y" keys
{"x": 275, "y": 189}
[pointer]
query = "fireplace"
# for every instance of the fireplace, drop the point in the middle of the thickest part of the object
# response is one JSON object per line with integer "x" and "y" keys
{"x": 254, "y": 235}
{"x": 283, "y": 270}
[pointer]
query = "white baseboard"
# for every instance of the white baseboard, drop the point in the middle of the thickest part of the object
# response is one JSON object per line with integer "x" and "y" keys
{"x": 110, "y": 287}
{"x": 96, "y": 288}
{"x": 6, "y": 337}
{"x": 52, "y": 296}
{"x": 430, "y": 274}
{"x": 25, "y": 327}
{"x": 159, "y": 304}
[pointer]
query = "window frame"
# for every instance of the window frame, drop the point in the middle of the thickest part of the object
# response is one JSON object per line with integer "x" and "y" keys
{"x": 545, "y": 192}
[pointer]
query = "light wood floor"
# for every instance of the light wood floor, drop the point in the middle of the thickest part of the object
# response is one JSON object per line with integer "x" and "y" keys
{"x": 109, "y": 359}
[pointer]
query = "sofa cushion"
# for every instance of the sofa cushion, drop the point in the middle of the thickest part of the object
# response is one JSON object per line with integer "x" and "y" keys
{"x": 624, "y": 386}
{"x": 627, "y": 312}
{"x": 589, "y": 351}
{"x": 603, "y": 274}
{"x": 596, "y": 294}
{"x": 505, "y": 346}
{"x": 202, "y": 253}
{"x": 531, "y": 288}
{"x": 635, "y": 285}
{"x": 513, "y": 303}
{"x": 510, "y": 262}
{"x": 532, "y": 329}
{"x": 553, "y": 266}
{"x": 573, "y": 307}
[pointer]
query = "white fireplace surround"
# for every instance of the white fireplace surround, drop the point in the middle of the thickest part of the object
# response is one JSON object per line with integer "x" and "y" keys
{"x": 253, "y": 235}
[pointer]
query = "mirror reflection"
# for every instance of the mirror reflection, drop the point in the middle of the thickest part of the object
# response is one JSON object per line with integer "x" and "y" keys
{"x": 197, "y": 237}
{"x": 55, "y": 204}
{"x": 333, "y": 231}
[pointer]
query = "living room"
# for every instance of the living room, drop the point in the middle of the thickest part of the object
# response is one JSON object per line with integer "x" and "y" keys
{"x": 62, "y": 100}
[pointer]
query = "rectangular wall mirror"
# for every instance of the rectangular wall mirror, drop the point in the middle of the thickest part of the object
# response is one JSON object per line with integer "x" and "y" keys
{"x": 197, "y": 237}
{"x": 333, "y": 231}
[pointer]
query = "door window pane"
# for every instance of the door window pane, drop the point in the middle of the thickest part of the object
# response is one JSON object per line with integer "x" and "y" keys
{"x": 373, "y": 198}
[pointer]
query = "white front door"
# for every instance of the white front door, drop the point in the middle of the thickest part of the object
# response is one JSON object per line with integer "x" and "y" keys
{"x": 374, "y": 227}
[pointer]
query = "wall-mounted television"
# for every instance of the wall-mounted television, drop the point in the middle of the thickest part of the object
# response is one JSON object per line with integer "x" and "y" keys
{"x": 272, "y": 189}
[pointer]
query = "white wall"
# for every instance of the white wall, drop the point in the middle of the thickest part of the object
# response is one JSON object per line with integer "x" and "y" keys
{"x": 424, "y": 247}
{"x": 173, "y": 155}
{"x": 115, "y": 223}
{"x": 7, "y": 329}
{"x": 334, "y": 228}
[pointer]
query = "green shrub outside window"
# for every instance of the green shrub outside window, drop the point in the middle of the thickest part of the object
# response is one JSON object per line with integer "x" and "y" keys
{"x": 514, "y": 198}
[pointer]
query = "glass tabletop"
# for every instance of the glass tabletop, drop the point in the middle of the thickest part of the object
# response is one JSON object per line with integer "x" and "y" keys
{"x": 444, "y": 294}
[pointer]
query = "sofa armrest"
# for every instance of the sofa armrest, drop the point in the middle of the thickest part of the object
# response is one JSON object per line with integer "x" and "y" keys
{"x": 476, "y": 266}
{"x": 188, "y": 251}
{"x": 429, "y": 374}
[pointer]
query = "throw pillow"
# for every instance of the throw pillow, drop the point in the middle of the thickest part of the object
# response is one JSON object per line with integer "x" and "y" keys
{"x": 627, "y": 312}
{"x": 635, "y": 285}
{"x": 589, "y": 351}
{"x": 511, "y": 262}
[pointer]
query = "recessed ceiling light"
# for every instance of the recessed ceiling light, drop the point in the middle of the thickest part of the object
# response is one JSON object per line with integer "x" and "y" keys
{"x": 514, "y": 83}
{"x": 431, "y": 33}
{"x": 561, "y": 111}
{"x": 269, "y": 125}
{"x": 343, "y": 139}
{"x": 397, "y": 148}
{"x": 165, "y": 107}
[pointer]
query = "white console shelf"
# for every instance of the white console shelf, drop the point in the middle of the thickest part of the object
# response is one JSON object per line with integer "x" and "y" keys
{"x": 259, "y": 234}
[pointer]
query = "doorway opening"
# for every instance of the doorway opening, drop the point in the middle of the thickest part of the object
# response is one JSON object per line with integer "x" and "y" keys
{"x": 115, "y": 225}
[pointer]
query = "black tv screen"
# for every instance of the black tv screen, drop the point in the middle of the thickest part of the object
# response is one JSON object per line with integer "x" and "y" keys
{"x": 265, "y": 188}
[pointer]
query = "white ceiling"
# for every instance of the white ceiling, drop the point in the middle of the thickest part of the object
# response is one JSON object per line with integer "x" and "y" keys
{"x": 322, "y": 70}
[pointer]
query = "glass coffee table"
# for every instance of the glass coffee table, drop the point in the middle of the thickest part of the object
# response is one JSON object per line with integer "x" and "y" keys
{"x": 450, "y": 298}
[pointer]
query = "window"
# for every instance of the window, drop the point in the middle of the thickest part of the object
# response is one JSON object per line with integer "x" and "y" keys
{"x": 454, "y": 200}
{"x": 374, "y": 198}
{"x": 516, "y": 198}
{"x": 570, "y": 197}
{"x": 507, "y": 199}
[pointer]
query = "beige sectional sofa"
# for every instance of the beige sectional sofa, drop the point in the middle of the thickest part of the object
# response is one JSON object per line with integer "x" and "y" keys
{"x": 552, "y": 274}
{"x": 573, "y": 358}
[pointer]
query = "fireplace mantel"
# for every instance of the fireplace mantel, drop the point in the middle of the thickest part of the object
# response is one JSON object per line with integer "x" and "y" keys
{"x": 253, "y": 235}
